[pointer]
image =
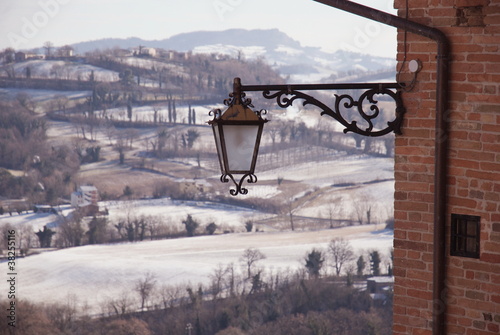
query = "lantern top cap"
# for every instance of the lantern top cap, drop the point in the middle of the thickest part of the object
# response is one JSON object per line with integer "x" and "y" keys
{"x": 239, "y": 112}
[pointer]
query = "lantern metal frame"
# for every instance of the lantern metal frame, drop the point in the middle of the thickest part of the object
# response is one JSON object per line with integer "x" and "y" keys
{"x": 238, "y": 113}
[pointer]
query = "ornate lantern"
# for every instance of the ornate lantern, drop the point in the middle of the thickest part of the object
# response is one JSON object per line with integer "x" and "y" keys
{"x": 237, "y": 134}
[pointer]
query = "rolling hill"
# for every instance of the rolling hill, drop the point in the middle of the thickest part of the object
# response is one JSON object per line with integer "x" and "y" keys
{"x": 281, "y": 51}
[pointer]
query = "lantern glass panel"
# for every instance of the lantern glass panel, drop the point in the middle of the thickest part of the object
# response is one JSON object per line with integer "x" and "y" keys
{"x": 240, "y": 147}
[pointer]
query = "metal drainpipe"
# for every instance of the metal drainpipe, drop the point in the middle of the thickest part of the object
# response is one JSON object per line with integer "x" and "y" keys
{"x": 440, "y": 143}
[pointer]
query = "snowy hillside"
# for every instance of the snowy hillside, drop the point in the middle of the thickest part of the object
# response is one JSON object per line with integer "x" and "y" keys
{"x": 63, "y": 69}
{"x": 282, "y": 52}
{"x": 95, "y": 275}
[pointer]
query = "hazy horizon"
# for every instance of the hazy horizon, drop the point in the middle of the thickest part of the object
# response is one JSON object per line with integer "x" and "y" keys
{"x": 27, "y": 24}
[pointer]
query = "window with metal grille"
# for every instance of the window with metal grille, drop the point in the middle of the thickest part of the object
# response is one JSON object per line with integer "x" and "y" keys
{"x": 465, "y": 232}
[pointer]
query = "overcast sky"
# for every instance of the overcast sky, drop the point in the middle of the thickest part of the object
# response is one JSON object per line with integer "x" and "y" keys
{"x": 26, "y": 24}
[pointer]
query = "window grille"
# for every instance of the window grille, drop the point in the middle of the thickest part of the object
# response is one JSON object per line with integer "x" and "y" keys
{"x": 465, "y": 233}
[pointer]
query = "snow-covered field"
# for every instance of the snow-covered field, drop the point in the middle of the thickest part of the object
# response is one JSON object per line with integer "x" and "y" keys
{"x": 94, "y": 275}
{"x": 168, "y": 211}
{"x": 146, "y": 114}
{"x": 42, "y": 95}
{"x": 65, "y": 70}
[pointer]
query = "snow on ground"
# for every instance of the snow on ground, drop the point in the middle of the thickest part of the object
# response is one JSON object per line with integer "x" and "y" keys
{"x": 169, "y": 211}
{"x": 64, "y": 70}
{"x": 288, "y": 50}
{"x": 349, "y": 184}
{"x": 249, "y": 52}
{"x": 42, "y": 95}
{"x": 175, "y": 211}
{"x": 36, "y": 221}
{"x": 146, "y": 113}
{"x": 99, "y": 273}
{"x": 339, "y": 169}
{"x": 150, "y": 63}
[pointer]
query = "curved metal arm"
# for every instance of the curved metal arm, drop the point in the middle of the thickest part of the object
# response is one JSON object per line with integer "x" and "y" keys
{"x": 286, "y": 95}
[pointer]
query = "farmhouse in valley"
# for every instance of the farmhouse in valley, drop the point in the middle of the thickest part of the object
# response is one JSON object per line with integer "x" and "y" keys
{"x": 84, "y": 196}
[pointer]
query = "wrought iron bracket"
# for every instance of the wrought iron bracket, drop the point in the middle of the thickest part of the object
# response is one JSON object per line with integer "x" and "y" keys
{"x": 346, "y": 110}
{"x": 252, "y": 178}
{"x": 286, "y": 95}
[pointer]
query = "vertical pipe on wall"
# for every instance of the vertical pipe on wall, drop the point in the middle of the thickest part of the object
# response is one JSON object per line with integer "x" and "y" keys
{"x": 440, "y": 143}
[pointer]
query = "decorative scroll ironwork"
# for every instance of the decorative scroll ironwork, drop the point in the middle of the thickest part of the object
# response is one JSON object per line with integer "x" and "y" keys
{"x": 217, "y": 112}
{"x": 252, "y": 178}
{"x": 238, "y": 97}
{"x": 286, "y": 95}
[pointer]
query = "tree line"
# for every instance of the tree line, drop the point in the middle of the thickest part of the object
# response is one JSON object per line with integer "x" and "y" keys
{"x": 77, "y": 230}
{"x": 209, "y": 76}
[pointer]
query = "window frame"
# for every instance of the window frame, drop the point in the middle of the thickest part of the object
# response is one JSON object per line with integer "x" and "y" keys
{"x": 465, "y": 240}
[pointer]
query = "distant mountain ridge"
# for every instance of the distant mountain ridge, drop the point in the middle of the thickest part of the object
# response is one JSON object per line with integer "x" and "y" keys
{"x": 188, "y": 41}
{"x": 282, "y": 52}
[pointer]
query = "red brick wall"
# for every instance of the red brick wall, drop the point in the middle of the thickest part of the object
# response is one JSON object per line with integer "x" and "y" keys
{"x": 472, "y": 285}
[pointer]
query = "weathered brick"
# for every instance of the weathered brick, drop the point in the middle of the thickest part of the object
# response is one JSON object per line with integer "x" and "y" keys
{"x": 474, "y": 166}
{"x": 494, "y": 328}
{"x": 475, "y": 295}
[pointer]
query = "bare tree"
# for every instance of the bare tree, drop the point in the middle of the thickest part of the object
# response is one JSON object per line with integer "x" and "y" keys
{"x": 131, "y": 134}
{"x": 120, "y": 147}
{"x": 231, "y": 279}
{"x": 362, "y": 205}
{"x": 171, "y": 296}
{"x": 120, "y": 306}
{"x": 57, "y": 70}
{"x": 8, "y": 55}
{"x": 291, "y": 206}
{"x": 26, "y": 101}
{"x": 273, "y": 132}
{"x": 10, "y": 70}
{"x": 71, "y": 232}
{"x": 341, "y": 251}
{"x": 65, "y": 51}
{"x": 110, "y": 131}
{"x": 144, "y": 287}
{"x": 61, "y": 102}
{"x": 334, "y": 209}
{"x": 250, "y": 257}
{"x": 162, "y": 136}
{"x": 64, "y": 315}
{"x": 48, "y": 46}
{"x": 217, "y": 280}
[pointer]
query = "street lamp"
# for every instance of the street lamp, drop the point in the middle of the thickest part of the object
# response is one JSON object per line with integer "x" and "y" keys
{"x": 237, "y": 131}
{"x": 237, "y": 134}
